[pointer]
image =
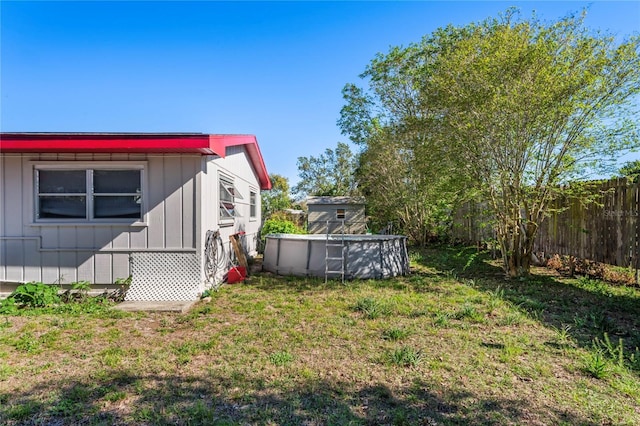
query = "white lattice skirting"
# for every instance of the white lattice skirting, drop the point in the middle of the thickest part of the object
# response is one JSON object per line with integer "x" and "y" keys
{"x": 164, "y": 277}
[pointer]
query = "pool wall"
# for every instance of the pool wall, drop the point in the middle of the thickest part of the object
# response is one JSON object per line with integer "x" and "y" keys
{"x": 366, "y": 256}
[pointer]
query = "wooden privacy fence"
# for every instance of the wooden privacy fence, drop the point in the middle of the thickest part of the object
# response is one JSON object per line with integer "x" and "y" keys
{"x": 607, "y": 231}
{"x": 472, "y": 224}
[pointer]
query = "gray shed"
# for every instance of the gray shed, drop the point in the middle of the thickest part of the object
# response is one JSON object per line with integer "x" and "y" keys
{"x": 333, "y": 211}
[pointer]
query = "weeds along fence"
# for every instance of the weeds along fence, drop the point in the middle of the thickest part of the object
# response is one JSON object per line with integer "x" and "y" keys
{"x": 606, "y": 231}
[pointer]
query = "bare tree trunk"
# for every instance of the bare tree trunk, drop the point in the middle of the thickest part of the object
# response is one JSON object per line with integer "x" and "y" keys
{"x": 517, "y": 242}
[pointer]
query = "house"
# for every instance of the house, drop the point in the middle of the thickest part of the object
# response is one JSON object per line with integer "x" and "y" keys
{"x": 106, "y": 206}
{"x": 336, "y": 215}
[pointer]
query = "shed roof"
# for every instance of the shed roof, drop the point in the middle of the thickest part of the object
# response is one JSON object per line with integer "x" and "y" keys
{"x": 181, "y": 143}
{"x": 335, "y": 200}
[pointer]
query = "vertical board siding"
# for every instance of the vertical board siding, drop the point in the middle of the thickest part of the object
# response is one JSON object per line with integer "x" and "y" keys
{"x": 33, "y": 271}
{"x": 319, "y": 214}
{"x": 173, "y": 202}
{"x": 84, "y": 237}
{"x": 14, "y": 224}
{"x": 181, "y": 205}
{"x": 209, "y": 197}
{"x": 606, "y": 231}
{"x": 96, "y": 253}
{"x": 50, "y": 269}
{"x": 236, "y": 165}
{"x": 3, "y": 214}
{"x": 120, "y": 240}
{"x": 103, "y": 268}
{"x": 155, "y": 219}
{"x": 86, "y": 271}
{"x": 68, "y": 267}
{"x": 120, "y": 266}
{"x": 14, "y": 257}
{"x": 189, "y": 168}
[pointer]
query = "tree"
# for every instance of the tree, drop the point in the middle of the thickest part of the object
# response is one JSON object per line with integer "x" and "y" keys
{"x": 277, "y": 198}
{"x": 515, "y": 107}
{"x": 399, "y": 191}
{"x": 402, "y": 172}
{"x": 631, "y": 169}
{"x": 331, "y": 173}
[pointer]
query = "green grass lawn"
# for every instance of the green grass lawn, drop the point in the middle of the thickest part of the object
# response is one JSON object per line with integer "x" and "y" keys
{"x": 454, "y": 343}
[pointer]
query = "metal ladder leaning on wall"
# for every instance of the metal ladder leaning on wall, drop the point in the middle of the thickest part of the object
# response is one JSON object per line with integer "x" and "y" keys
{"x": 331, "y": 246}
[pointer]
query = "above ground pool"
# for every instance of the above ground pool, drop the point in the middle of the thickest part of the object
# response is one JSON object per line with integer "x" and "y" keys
{"x": 365, "y": 256}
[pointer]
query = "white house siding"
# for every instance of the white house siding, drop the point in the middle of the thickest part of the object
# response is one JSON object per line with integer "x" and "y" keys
{"x": 237, "y": 166}
{"x": 94, "y": 252}
{"x": 182, "y": 204}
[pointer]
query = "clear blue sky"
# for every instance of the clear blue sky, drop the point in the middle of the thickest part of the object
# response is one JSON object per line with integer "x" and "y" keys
{"x": 273, "y": 69}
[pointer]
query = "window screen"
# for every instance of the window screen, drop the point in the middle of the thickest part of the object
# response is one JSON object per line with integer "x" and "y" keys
{"x": 87, "y": 194}
{"x": 227, "y": 199}
{"x": 253, "y": 213}
{"x": 116, "y": 194}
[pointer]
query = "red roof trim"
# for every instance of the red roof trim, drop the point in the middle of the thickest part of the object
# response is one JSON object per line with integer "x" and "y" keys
{"x": 104, "y": 142}
{"x": 253, "y": 151}
{"x": 180, "y": 143}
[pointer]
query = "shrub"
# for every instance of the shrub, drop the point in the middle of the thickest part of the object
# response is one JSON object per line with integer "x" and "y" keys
{"x": 8, "y": 306}
{"x": 79, "y": 292}
{"x": 279, "y": 226}
{"x": 35, "y": 295}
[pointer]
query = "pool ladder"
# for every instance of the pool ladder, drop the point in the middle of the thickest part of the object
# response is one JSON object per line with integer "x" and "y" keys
{"x": 332, "y": 247}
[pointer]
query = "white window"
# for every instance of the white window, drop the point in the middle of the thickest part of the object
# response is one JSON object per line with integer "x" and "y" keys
{"x": 340, "y": 214}
{"x": 79, "y": 194}
{"x": 228, "y": 196}
{"x": 253, "y": 211}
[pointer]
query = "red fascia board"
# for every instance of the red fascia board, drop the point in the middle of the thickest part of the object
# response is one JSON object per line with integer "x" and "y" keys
{"x": 105, "y": 144}
{"x": 139, "y": 143}
{"x": 220, "y": 143}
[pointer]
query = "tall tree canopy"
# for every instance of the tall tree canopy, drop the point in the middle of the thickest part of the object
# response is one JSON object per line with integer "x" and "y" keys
{"x": 331, "y": 173}
{"x": 277, "y": 198}
{"x": 506, "y": 110}
{"x": 631, "y": 169}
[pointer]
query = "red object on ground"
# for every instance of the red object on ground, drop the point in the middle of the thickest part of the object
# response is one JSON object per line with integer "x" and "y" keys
{"x": 236, "y": 274}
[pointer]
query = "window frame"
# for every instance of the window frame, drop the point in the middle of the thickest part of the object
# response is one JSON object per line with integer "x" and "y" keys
{"x": 226, "y": 184}
{"x": 89, "y": 167}
{"x": 253, "y": 204}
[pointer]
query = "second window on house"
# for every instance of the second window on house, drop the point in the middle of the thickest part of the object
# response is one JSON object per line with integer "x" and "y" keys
{"x": 228, "y": 196}
{"x": 253, "y": 211}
